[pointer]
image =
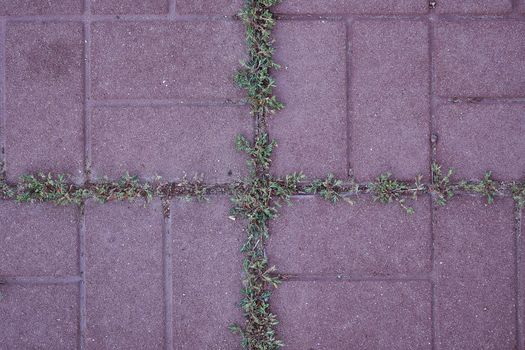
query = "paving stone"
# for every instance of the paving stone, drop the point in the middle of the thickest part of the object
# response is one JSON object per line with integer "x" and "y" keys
{"x": 44, "y": 99}
{"x": 170, "y": 142}
{"x": 207, "y": 266}
{"x": 39, "y": 317}
{"x": 390, "y": 98}
{"x": 39, "y": 7}
{"x": 354, "y": 315}
{"x": 126, "y": 7}
{"x": 38, "y": 240}
{"x": 474, "y": 6}
{"x": 475, "y": 266}
{"x": 311, "y": 130}
{"x": 124, "y": 276}
{"x": 353, "y": 6}
{"x": 477, "y": 138}
{"x": 162, "y": 60}
{"x": 208, "y": 7}
{"x": 480, "y": 58}
{"x": 316, "y": 237}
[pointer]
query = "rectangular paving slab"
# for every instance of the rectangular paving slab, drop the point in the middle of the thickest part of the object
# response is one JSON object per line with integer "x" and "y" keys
{"x": 124, "y": 276}
{"x": 208, "y": 7}
{"x": 353, "y": 7}
{"x": 474, "y": 6}
{"x": 39, "y": 317}
{"x": 480, "y": 58}
{"x": 38, "y": 240}
{"x": 475, "y": 138}
{"x": 390, "y": 99}
{"x": 316, "y": 237}
{"x": 39, "y": 7}
{"x": 206, "y": 274}
{"x": 476, "y": 278}
{"x": 170, "y": 142}
{"x": 369, "y": 315}
{"x": 44, "y": 95}
{"x": 311, "y": 131}
{"x": 166, "y": 60}
{"x": 129, "y": 7}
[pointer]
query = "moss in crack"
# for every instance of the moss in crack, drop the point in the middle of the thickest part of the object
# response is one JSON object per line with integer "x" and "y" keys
{"x": 257, "y": 200}
{"x": 255, "y": 74}
{"x": 441, "y": 188}
{"x": 387, "y": 190}
{"x": 486, "y": 187}
{"x": 331, "y": 189}
{"x": 518, "y": 194}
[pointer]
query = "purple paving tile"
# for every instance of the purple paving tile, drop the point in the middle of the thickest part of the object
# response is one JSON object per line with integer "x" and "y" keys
{"x": 354, "y": 315}
{"x": 127, "y": 7}
{"x": 39, "y": 317}
{"x": 44, "y": 99}
{"x": 311, "y": 130}
{"x": 474, "y": 6}
{"x": 207, "y": 266}
{"x": 208, "y": 7}
{"x": 480, "y": 58}
{"x": 390, "y": 99}
{"x": 124, "y": 276}
{"x": 162, "y": 60}
{"x": 317, "y": 237}
{"x": 38, "y": 240}
{"x": 475, "y": 265}
{"x": 475, "y": 138}
{"x": 39, "y": 7}
{"x": 170, "y": 142}
{"x": 353, "y": 6}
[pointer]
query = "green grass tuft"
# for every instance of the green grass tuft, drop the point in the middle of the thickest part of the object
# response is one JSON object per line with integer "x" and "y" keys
{"x": 486, "y": 187}
{"x": 441, "y": 187}
{"x": 387, "y": 190}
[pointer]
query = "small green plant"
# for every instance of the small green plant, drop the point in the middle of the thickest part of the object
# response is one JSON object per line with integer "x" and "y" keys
{"x": 329, "y": 189}
{"x": 518, "y": 194}
{"x": 486, "y": 187}
{"x": 441, "y": 187}
{"x": 48, "y": 188}
{"x": 126, "y": 188}
{"x": 259, "y": 153}
{"x": 387, "y": 190}
{"x": 6, "y": 191}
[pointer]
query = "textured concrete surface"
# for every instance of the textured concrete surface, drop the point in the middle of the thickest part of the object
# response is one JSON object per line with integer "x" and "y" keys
{"x": 99, "y": 87}
{"x": 170, "y": 142}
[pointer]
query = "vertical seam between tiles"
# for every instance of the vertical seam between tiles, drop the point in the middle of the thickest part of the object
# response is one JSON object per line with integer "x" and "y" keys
{"x": 349, "y": 107}
{"x": 520, "y": 308}
{"x": 3, "y": 98}
{"x": 82, "y": 268}
{"x": 87, "y": 91}
{"x": 172, "y": 8}
{"x": 432, "y": 159}
{"x": 168, "y": 276}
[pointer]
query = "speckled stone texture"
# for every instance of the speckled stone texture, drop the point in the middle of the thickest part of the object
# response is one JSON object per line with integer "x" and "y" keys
{"x": 311, "y": 130}
{"x": 38, "y": 240}
{"x": 208, "y": 7}
{"x": 39, "y": 7}
{"x": 480, "y": 58}
{"x": 124, "y": 276}
{"x": 316, "y": 237}
{"x": 474, "y": 6}
{"x": 476, "y": 276}
{"x": 127, "y": 7}
{"x": 44, "y": 92}
{"x": 353, "y": 7}
{"x": 39, "y": 317}
{"x": 170, "y": 142}
{"x": 367, "y": 315}
{"x": 390, "y": 99}
{"x": 206, "y": 275}
{"x": 177, "y": 60}
{"x": 475, "y": 138}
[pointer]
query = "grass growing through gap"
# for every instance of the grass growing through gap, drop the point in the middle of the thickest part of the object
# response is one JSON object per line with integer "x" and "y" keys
{"x": 441, "y": 186}
{"x": 486, "y": 187}
{"x": 387, "y": 190}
